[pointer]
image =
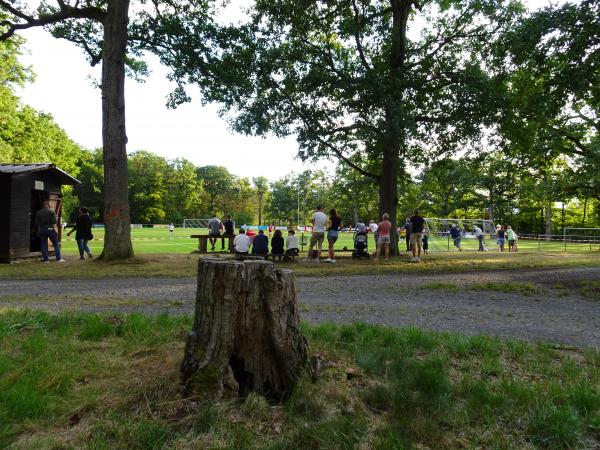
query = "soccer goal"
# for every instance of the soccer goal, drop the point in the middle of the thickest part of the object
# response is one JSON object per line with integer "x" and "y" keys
{"x": 195, "y": 223}
{"x": 439, "y": 232}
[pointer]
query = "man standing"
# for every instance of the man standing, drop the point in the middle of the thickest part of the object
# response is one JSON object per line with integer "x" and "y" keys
{"x": 479, "y": 235}
{"x": 45, "y": 219}
{"x": 415, "y": 231}
{"x": 171, "y": 230}
{"x": 214, "y": 231}
{"x": 229, "y": 226}
{"x": 319, "y": 220}
{"x": 373, "y": 227}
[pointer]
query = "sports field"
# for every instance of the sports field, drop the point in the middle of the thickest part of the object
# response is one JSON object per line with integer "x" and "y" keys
{"x": 158, "y": 240}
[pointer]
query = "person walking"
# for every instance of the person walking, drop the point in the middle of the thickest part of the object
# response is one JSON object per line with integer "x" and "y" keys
{"x": 229, "y": 225}
{"x": 83, "y": 232}
{"x": 319, "y": 220}
{"x": 171, "y": 230}
{"x": 455, "y": 233}
{"x": 500, "y": 237}
{"x": 479, "y": 235}
{"x": 45, "y": 220}
{"x": 512, "y": 239}
{"x": 417, "y": 223}
{"x": 384, "y": 228}
{"x": 214, "y": 231}
{"x": 333, "y": 232}
{"x": 425, "y": 240}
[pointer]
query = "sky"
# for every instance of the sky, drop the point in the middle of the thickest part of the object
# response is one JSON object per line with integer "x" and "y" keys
{"x": 64, "y": 88}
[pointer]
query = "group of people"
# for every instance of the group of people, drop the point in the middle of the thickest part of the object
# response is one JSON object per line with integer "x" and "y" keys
{"x": 503, "y": 234}
{"x": 46, "y": 221}
{"x": 260, "y": 244}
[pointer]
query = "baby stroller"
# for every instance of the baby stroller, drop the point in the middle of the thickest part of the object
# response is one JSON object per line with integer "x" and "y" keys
{"x": 361, "y": 246}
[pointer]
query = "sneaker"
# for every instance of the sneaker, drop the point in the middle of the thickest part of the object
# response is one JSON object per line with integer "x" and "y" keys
{"x": 333, "y": 261}
{"x": 81, "y": 258}
{"x": 328, "y": 260}
{"x": 413, "y": 259}
{"x": 90, "y": 256}
{"x": 61, "y": 261}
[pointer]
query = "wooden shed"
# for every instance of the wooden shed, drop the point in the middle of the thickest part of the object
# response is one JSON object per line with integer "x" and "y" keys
{"x": 23, "y": 188}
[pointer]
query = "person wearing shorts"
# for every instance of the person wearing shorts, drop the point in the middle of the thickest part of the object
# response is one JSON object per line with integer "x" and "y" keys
{"x": 319, "y": 221}
{"x": 333, "y": 230}
{"x": 512, "y": 239}
{"x": 417, "y": 223}
{"x": 384, "y": 240}
{"x": 500, "y": 237}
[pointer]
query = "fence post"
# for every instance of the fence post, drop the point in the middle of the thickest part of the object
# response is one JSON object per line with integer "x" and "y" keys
{"x": 448, "y": 242}
{"x": 539, "y": 244}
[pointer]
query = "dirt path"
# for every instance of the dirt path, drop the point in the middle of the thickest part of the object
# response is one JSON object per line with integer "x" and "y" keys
{"x": 547, "y": 305}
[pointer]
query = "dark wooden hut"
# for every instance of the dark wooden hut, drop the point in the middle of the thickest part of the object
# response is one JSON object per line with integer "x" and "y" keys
{"x": 23, "y": 188}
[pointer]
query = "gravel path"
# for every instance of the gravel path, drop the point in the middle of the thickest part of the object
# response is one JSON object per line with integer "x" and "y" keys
{"x": 442, "y": 302}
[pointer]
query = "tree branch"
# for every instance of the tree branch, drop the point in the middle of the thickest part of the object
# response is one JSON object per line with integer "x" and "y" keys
{"x": 65, "y": 12}
{"x": 347, "y": 161}
{"x": 359, "y": 46}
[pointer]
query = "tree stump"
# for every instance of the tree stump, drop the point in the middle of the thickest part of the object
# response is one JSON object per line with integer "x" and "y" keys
{"x": 246, "y": 334}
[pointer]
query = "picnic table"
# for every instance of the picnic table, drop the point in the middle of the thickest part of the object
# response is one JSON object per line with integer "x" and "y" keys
{"x": 203, "y": 241}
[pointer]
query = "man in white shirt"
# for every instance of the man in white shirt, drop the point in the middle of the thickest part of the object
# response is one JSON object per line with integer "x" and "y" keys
{"x": 373, "y": 230}
{"x": 479, "y": 235}
{"x": 241, "y": 243}
{"x": 319, "y": 220}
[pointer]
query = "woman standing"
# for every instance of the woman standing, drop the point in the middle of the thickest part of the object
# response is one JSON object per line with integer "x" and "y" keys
{"x": 83, "y": 228}
{"x": 333, "y": 231}
{"x": 384, "y": 228}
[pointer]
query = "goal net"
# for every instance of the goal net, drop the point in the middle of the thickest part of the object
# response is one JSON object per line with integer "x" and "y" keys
{"x": 195, "y": 223}
{"x": 439, "y": 232}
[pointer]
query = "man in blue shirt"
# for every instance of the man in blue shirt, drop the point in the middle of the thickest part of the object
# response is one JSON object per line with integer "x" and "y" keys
{"x": 260, "y": 245}
{"x": 455, "y": 233}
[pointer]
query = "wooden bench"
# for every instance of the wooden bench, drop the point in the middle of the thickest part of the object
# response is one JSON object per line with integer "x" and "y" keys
{"x": 203, "y": 241}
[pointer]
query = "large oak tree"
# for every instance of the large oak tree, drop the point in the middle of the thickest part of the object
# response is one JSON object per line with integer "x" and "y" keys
{"x": 353, "y": 79}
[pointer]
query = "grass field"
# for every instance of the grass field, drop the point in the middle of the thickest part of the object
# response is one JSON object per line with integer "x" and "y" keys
{"x": 157, "y": 240}
{"x": 105, "y": 382}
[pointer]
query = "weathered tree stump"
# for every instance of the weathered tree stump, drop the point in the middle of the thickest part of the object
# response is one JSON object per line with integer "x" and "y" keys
{"x": 246, "y": 334}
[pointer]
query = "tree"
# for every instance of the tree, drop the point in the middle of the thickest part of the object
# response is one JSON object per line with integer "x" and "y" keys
{"x": 111, "y": 49}
{"x": 348, "y": 80}
{"x": 261, "y": 184}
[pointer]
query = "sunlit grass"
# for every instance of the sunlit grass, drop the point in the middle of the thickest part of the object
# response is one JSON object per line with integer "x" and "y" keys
{"x": 89, "y": 381}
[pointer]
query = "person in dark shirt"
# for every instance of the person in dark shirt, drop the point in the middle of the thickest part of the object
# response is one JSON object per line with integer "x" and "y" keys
{"x": 277, "y": 244}
{"x": 406, "y": 227}
{"x": 229, "y": 226}
{"x": 415, "y": 231}
{"x": 501, "y": 237}
{"x": 333, "y": 230}
{"x": 260, "y": 244}
{"x": 45, "y": 220}
{"x": 83, "y": 232}
{"x": 455, "y": 233}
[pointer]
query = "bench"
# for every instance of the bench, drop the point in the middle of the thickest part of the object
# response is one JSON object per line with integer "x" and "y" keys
{"x": 203, "y": 241}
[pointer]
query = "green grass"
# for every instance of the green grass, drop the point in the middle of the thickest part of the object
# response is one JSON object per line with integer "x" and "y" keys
{"x": 511, "y": 287}
{"x": 157, "y": 241}
{"x": 185, "y": 265}
{"x": 103, "y": 382}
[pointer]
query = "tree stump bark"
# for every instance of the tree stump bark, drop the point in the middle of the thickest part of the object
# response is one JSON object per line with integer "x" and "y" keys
{"x": 246, "y": 334}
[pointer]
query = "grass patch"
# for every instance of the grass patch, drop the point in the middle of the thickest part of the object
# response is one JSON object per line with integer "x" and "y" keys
{"x": 511, "y": 287}
{"x": 93, "y": 381}
{"x": 185, "y": 265}
{"x": 440, "y": 285}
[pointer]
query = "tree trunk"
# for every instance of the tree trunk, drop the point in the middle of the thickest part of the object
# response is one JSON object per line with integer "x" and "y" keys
{"x": 585, "y": 202}
{"x": 260, "y": 199}
{"x": 388, "y": 192}
{"x": 246, "y": 335}
{"x": 117, "y": 243}
{"x": 548, "y": 221}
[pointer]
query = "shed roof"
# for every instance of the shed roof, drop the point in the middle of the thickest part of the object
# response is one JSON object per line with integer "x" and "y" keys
{"x": 18, "y": 169}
